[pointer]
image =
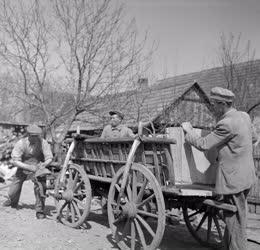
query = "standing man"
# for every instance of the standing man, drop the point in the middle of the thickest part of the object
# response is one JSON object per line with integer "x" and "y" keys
{"x": 232, "y": 137}
{"x": 116, "y": 129}
{"x": 29, "y": 155}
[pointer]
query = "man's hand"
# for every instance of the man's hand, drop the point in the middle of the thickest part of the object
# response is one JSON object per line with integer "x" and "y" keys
{"x": 186, "y": 126}
{"x": 40, "y": 165}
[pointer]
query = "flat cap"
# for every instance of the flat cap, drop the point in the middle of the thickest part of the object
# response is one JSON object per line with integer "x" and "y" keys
{"x": 121, "y": 115}
{"x": 222, "y": 94}
{"x": 34, "y": 129}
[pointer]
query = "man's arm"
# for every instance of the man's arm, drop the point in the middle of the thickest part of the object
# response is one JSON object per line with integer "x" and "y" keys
{"x": 220, "y": 135}
{"x": 16, "y": 155}
{"x": 130, "y": 133}
{"x": 23, "y": 165}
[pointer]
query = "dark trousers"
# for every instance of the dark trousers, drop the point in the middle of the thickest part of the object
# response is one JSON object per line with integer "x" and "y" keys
{"x": 16, "y": 188}
{"x": 235, "y": 237}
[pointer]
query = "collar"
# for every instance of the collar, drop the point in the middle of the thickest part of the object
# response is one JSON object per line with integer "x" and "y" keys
{"x": 119, "y": 127}
{"x": 228, "y": 112}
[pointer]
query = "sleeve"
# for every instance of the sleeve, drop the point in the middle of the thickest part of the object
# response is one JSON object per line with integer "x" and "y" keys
{"x": 17, "y": 151}
{"x": 130, "y": 133}
{"x": 46, "y": 148}
{"x": 219, "y": 136}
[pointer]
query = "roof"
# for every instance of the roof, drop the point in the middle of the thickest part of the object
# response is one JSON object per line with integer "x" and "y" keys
{"x": 144, "y": 105}
{"x": 148, "y": 103}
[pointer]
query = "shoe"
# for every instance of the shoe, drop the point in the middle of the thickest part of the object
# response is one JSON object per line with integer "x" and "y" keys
{"x": 8, "y": 203}
{"x": 40, "y": 216}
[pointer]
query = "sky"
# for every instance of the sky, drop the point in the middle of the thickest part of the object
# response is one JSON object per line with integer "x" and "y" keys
{"x": 188, "y": 31}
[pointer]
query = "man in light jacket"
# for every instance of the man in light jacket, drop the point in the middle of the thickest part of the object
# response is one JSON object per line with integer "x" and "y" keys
{"x": 232, "y": 137}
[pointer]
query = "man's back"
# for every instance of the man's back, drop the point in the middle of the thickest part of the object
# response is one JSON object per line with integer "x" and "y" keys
{"x": 236, "y": 167}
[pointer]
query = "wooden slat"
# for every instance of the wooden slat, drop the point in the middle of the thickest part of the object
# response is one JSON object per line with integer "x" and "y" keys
{"x": 99, "y": 160}
{"x": 156, "y": 163}
{"x": 121, "y": 157}
{"x": 110, "y": 160}
{"x": 103, "y": 168}
{"x": 100, "y": 178}
{"x": 143, "y": 154}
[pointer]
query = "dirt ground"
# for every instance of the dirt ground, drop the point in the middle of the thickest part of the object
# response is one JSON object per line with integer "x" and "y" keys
{"x": 19, "y": 229}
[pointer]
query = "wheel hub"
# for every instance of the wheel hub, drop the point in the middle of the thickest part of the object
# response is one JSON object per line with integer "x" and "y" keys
{"x": 67, "y": 195}
{"x": 129, "y": 209}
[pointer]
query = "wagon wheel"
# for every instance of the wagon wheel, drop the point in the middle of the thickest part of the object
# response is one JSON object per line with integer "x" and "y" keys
{"x": 139, "y": 219}
{"x": 206, "y": 224}
{"x": 73, "y": 196}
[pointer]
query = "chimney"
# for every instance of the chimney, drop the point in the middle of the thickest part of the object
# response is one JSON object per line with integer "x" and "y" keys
{"x": 142, "y": 83}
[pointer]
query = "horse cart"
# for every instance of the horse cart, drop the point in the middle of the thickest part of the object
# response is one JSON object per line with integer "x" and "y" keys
{"x": 137, "y": 178}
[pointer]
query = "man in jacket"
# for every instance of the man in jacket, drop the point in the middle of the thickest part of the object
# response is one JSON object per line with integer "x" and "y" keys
{"x": 232, "y": 137}
{"x": 30, "y": 154}
{"x": 116, "y": 129}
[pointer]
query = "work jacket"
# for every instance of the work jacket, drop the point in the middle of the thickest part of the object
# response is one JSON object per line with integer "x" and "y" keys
{"x": 232, "y": 137}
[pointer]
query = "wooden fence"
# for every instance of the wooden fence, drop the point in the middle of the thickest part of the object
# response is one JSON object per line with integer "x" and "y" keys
{"x": 254, "y": 195}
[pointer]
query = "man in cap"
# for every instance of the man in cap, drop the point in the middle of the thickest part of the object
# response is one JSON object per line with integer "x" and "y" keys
{"x": 232, "y": 138}
{"x": 30, "y": 154}
{"x": 116, "y": 129}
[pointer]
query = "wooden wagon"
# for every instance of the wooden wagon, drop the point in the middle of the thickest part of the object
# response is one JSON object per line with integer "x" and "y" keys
{"x": 137, "y": 178}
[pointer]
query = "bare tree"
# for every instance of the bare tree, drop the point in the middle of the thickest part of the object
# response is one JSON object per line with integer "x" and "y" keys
{"x": 53, "y": 47}
{"x": 240, "y": 71}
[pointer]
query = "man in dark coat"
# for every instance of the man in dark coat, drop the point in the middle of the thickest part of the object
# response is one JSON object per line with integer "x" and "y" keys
{"x": 232, "y": 137}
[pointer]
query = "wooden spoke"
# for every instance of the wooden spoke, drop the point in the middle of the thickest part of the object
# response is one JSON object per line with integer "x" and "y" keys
{"x": 133, "y": 235}
{"x": 129, "y": 192}
{"x": 134, "y": 186}
{"x": 67, "y": 211}
{"x": 209, "y": 227}
{"x": 117, "y": 187}
{"x": 146, "y": 200}
{"x": 77, "y": 184}
{"x": 148, "y": 214}
{"x": 76, "y": 208}
{"x": 72, "y": 213}
{"x": 76, "y": 178}
{"x": 218, "y": 228}
{"x": 201, "y": 222}
{"x": 195, "y": 213}
{"x": 70, "y": 181}
{"x": 60, "y": 209}
{"x": 141, "y": 234}
{"x": 79, "y": 202}
{"x": 146, "y": 225}
{"x": 141, "y": 192}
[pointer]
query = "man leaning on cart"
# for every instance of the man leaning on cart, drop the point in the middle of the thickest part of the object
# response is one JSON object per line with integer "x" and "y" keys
{"x": 232, "y": 137}
{"x": 116, "y": 129}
